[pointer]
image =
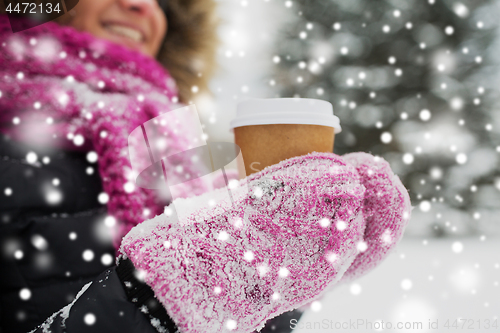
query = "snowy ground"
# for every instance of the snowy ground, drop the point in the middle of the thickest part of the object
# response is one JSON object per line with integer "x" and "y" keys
{"x": 445, "y": 279}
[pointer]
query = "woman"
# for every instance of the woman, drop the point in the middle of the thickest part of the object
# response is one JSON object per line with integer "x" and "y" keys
{"x": 57, "y": 193}
{"x": 68, "y": 100}
{"x": 53, "y": 206}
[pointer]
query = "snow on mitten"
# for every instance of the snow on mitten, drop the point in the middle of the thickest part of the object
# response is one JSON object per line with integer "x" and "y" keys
{"x": 232, "y": 266}
{"x": 387, "y": 210}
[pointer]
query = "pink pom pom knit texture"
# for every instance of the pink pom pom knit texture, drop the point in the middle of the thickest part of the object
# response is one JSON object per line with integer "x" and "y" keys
{"x": 92, "y": 89}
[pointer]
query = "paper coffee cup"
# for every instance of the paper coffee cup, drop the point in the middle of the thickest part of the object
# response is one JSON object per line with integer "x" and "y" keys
{"x": 272, "y": 130}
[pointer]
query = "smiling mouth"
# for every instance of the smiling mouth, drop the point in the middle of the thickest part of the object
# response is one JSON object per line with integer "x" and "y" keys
{"x": 124, "y": 31}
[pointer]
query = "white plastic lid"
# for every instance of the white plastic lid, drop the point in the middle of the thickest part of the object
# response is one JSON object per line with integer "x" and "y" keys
{"x": 306, "y": 111}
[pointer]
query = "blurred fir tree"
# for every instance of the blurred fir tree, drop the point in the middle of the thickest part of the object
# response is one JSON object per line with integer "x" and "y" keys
{"x": 409, "y": 82}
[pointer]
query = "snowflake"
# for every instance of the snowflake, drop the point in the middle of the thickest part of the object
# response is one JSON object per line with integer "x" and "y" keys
{"x": 88, "y": 255}
{"x": 89, "y": 319}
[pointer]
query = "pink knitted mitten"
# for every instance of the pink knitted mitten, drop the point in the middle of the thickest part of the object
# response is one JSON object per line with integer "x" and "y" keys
{"x": 386, "y": 208}
{"x": 293, "y": 230}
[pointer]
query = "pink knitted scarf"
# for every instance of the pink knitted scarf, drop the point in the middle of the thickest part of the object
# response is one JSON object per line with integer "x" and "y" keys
{"x": 65, "y": 89}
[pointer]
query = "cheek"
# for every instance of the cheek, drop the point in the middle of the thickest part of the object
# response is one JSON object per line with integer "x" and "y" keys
{"x": 89, "y": 14}
{"x": 160, "y": 29}
{"x": 87, "y": 17}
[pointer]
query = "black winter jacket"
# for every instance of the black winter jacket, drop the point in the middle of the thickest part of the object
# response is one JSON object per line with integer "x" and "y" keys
{"x": 44, "y": 232}
{"x": 54, "y": 243}
{"x": 117, "y": 302}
